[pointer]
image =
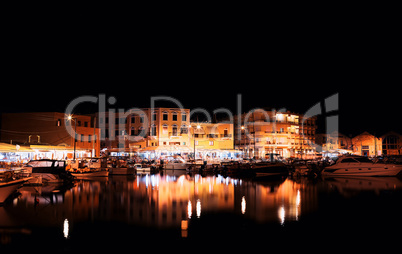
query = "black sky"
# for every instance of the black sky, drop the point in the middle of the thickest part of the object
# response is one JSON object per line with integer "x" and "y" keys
{"x": 50, "y": 59}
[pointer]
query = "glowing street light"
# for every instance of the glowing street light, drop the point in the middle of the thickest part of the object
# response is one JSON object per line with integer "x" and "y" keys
{"x": 70, "y": 118}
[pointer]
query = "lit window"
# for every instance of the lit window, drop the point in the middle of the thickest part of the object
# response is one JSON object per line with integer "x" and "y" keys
{"x": 165, "y": 129}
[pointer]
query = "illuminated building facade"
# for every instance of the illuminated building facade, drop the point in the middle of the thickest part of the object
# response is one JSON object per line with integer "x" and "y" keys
{"x": 162, "y": 131}
{"x": 391, "y": 143}
{"x": 334, "y": 142}
{"x": 212, "y": 140}
{"x": 46, "y": 133}
{"x": 367, "y": 144}
{"x": 141, "y": 128}
{"x": 260, "y": 132}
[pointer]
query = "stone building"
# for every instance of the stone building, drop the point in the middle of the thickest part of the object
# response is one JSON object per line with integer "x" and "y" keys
{"x": 391, "y": 143}
{"x": 367, "y": 144}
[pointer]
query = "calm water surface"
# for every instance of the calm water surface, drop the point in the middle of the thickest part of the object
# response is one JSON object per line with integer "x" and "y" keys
{"x": 190, "y": 212}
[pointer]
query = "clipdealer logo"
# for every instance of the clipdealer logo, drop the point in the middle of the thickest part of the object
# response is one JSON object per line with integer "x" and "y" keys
{"x": 328, "y": 108}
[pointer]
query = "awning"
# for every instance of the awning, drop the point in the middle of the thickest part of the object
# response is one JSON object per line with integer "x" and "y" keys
{"x": 172, "y": 148}
{"x": 10, "y": 148}
{"x": 199, "y": 131}
{"x": 124, "y": 150}
{"x": 48, "y": 148}
{"x": 212, "y": 130}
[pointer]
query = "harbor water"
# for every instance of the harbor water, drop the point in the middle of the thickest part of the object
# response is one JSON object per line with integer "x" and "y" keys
{"x": 173, "y": 210}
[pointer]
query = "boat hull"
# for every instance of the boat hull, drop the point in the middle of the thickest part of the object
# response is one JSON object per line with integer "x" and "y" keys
{"x": 84, "y": 175}
{"x": 7, "y": 188}
{"x": 178, "y": 166}
{"x": 270, "y": 170}
{"x": 122, "y": 171}
{"x": 48, "y": 177}
{"x": 382, "y": 170}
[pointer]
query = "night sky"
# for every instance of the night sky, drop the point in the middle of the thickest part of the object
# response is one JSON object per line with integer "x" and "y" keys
{"x": 53, "y": 58}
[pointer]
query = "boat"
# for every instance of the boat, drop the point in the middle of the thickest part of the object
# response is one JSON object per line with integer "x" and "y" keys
{"x": 87, "y": 168}
{"x": 305, "y": 168}
{"x": 81, "y": 174}
{"x": 141, "y": 169}
{"x": 9, "y": 183}
{"x": 267, "y": 169}
{"x": 91, "y": 163}
{"x": 270, "y": 166}
{"x": 122, "y": 171}
{"x": 51, "y": 171}
{"x": 176, "y": 163}
{"x": 361, "y": 166}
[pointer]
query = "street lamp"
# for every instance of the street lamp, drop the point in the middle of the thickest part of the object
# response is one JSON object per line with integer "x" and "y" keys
{"x": 198, "y": 127}
{"x": 70, "y": 118}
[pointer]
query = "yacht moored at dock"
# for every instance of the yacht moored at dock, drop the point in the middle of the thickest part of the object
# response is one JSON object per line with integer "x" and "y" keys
{"x": 9, "y": 183}
{"x": 177, "y": 163}
{"x": 361, "y": 166}
{"x": 83, "y": 174}
{"x": 141, "y": 169}
{"x": 51, "y": 171}
{"x": 87, "y": 168}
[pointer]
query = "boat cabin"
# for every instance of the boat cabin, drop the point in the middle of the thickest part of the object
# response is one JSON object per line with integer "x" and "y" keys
{"x": 355, "y": 159}
{"x": 47, "y": 166}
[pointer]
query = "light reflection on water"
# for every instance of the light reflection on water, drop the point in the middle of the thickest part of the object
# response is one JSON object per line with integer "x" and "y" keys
{"x": 161, "y": 201}
{"x": 174, "y": 201}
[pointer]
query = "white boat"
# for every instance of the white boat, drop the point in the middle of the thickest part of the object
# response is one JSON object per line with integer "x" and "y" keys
{"x": 177, "y": 163}
{"x": 140, "y": 169}
{"x": 87, "y": 168}
{"x": 92, "y": 163}
{"x": 8, "y": 184}
{"x": 360, "y": 166}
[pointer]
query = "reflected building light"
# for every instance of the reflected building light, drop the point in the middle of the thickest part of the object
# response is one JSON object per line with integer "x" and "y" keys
{"x": 243, "y": 205}
{"x": 298, "y": 198}
{"x": 189, "y": 209}
{"x": 184, "y": 227}
{"x": 198, "y": 208}
{"x": 65, "y": 228}
{"x": 281, "y": 215}
{"x": 219, "y": 179}
{"x": 154, "y": 181}
{"x": 298, "y": 201}
{"x": 180, "y": 180}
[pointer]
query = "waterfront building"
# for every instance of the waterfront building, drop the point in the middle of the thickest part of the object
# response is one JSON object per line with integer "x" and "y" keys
{"x": 46, "y": 135}
{"x": 391, "y": 143}
{"x": 261, "y": 132}
{"x": 137, "y": 129}
{"x": 162, "y": 131}
{"x": 367, "y": 144}
{"x": 333, "y": 143}
{"x": 213, "y": 140}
